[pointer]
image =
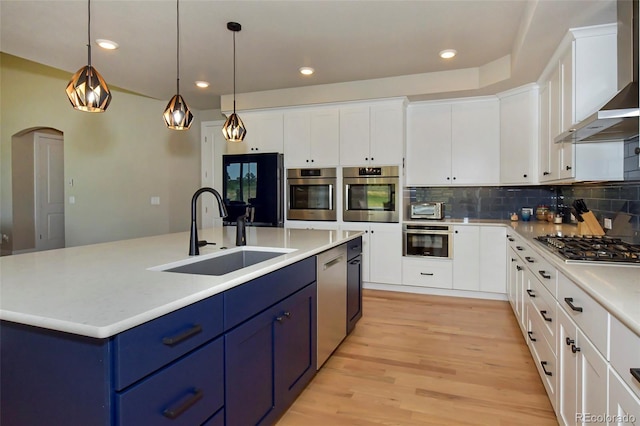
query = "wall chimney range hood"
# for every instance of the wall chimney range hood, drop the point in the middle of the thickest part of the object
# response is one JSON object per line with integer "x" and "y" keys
{"x": 618, "y": 118}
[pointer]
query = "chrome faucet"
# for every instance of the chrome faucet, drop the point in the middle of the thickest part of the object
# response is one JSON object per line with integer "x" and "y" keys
{"x": 194, "y": 248}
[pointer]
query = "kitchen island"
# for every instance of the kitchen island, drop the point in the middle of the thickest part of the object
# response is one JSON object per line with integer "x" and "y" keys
{"x": 101, "y": 335}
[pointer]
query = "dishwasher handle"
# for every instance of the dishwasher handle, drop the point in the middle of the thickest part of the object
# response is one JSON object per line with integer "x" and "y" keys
{"x": 332, "y": 262}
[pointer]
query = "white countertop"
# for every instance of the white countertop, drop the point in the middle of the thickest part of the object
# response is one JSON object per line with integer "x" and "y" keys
{"x": 616, "y": 287}
{"x": 103, "y": 289}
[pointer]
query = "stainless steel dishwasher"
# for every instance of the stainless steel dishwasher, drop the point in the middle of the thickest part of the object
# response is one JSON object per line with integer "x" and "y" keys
{"x": 332, "y": 301}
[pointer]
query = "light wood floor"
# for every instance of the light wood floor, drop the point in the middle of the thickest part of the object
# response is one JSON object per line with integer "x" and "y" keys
{"x": 427, "y": 360}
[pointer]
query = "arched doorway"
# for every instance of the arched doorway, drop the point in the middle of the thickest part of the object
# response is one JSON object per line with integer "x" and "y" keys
{"x": 37, "y": 172}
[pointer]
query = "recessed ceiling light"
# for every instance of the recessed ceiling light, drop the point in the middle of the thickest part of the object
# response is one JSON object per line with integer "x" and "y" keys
{"x": 107, "y": 44}
{"x": 306, "y": 70}
{"x": 448, "y": 53}
{"x": 202, "y": 84}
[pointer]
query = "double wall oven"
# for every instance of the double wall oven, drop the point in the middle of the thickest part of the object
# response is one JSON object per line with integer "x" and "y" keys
{"x": 371, "y": 194}
{"x": 311, "y": 194}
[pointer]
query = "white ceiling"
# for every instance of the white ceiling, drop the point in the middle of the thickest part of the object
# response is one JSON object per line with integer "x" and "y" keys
{"x": 343, "y": 40}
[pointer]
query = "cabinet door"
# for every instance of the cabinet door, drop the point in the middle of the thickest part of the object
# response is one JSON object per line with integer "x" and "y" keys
{"x": 387, "y": 134}
{"x": 295, "y": 345}
{"x": 325, "y": 138}
{"x": 366, "y": 244}
{"x": 567, "y": 108}
{"x": 297, "y": 138}
{"x": 249, "y": 370}
{"x": 624, "y": 406}
{"x": 428, "y": 156}
{"x": 385, "y": 254}
{"x": 518, "y": 137}
{"x": 354, "y": 135}
{"x": 555, "y": 122}
{"x": 568, "y": 372}
{"x": 265, "y": 133}
{"x": 592, "y": 377}
{"x": 544, "y": 140}
{"x": 475, "y": 141}
{"x": 493, "y": 255}
{"x": 354, "y": 292}
{"x": 466, "y": 260}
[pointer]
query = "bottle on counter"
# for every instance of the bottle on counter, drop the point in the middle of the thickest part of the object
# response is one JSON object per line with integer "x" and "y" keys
{"x": 541, "y": 212}
{"x": 514, "y": 216}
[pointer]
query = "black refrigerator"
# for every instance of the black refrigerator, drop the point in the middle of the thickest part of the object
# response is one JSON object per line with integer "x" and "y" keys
{"x": 254, "y": 181}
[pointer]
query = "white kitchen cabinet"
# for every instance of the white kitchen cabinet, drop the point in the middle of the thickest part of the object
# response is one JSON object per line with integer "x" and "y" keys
{"x": 624, "y": 405}
{"x": 426, "y": 272}
{"x": 265, "y": 133}
{"x": 454, "y": 143}
{"x": 381, "y": 251}
{"x": 372, "y": 133}
{"x": 583, "y": 374}
{"x": 519, "y": 135}
{"x": 516, "y": 286}
{"x": 580, "y": 78}
{"x": 479, "y": 258}
{"x": 311, "y": 137}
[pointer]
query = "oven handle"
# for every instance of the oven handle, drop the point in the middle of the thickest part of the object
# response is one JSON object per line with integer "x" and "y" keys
{"x": 331, "y": 197}
{"x": 425, "y": 232}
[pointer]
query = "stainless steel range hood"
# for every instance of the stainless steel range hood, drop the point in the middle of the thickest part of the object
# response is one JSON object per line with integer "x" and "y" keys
{"x": 618, "y": 119}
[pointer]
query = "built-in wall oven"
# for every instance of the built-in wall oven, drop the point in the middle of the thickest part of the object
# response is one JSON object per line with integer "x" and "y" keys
{"x": 427, "y": 241}
{"x": 311, "y": 194}
{"x": 371, "y": 194}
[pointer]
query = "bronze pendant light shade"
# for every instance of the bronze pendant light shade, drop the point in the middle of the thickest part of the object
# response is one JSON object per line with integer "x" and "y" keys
{"x": 233, "y": 129}
{"x": 177, "y": 115}
{"x": 87, "y": 90}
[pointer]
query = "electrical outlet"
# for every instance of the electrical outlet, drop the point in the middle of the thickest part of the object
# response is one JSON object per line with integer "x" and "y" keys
{"x": 607, "y": 223}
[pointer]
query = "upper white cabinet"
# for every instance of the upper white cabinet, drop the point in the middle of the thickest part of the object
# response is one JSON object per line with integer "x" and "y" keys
{"x": 581, "y": 78}
{"x": 264, "y": 133}
{"x": 519, "y": 136}
{"x": 453, "y": 143}
{"x": 372, "y": 133}
{"x": 311, "y": 137}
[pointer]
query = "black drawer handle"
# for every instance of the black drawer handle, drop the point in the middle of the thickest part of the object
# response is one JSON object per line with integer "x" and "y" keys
{"x": 355, "y": 262}
{"x": 511, "y": 239}
{"x": 569, "y": 301}
{"x": 569, "y": 341}
{"x": 531, "y": 293}
{"x": 519, "y": 268}
{"x": 529, "y": 259}
{"x": 429, "y": 274}
{"x": 544, "y": 315}
{"x": 519, "y": 248}
{"x": 530, "y": 333}
{"x": 635, "y": 372}
{"x": 544, "y": 275}
{"x": 174, "y": 413}
{"x": 575, "y": 349}
{"x": 544, "y": 368}
{"x": 514, "y": 259}
{"x": 174, "y": 340}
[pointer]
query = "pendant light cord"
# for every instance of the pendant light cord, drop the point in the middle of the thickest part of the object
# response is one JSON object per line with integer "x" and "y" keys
{"x": 89, "y": 30}
{"x": 178, "y": 46}
{"x": 234, "y": 72}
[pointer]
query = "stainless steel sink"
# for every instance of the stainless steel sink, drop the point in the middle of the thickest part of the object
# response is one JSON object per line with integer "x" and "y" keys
{"x": 224, "y": 262}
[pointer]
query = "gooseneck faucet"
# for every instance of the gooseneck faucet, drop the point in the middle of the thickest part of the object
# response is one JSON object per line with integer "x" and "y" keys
{"x": 194, "y": 250}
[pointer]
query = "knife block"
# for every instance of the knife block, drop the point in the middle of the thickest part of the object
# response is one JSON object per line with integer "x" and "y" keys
{"x": 590, "y": 226}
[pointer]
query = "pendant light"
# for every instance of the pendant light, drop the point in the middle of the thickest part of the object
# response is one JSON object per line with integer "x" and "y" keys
{"x": 233, "y": 129}
{"x": 177, "y": 115}
{"x": 87, "y": 90}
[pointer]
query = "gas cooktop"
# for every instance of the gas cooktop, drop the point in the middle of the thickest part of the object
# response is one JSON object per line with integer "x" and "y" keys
{"x": 592, "y": 249}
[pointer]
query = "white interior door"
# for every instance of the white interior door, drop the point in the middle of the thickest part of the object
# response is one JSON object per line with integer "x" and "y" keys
{"x": 213, "y": 146}
{"x": 49, "y": 191}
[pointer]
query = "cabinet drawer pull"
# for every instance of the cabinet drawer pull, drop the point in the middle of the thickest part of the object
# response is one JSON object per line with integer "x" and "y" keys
{"x": 429, "y": 274}
{"x": 511, "y": 239}
{"x": 569, "y": 341}
{"x": 174, "y": 340}
{"x": 569, "y": 301}
{"x": 519, "y": 248}
{"x": 575, "y": 349}
{"x": 545, "y": 317}
{"x": 544, "y": 275}
{"x": 514, "y": 259}
{"x": 519, "y": 268}
{"x": 635, "y": 372}
{"x": 544, "y": 368}
{"x": 531, "y": 293}
{"x": 355, "y": 262}
{"x": 529, "y": 259}
{"x": 174, "y": 413}
{"x": 530, "y": 333}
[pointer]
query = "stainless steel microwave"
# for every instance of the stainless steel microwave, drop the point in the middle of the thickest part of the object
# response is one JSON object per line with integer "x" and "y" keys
{"x": 426, "y": 210}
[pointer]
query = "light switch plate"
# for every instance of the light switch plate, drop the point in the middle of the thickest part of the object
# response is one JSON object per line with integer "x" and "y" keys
{"x": 607, "y": 223}
{"x": 155, "y": 201}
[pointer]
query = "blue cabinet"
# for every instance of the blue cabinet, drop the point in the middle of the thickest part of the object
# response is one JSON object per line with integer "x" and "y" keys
{"x": 354, "y": 283}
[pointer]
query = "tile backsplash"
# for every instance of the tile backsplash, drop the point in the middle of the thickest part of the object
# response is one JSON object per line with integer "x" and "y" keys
{"x": 604, "y": 199}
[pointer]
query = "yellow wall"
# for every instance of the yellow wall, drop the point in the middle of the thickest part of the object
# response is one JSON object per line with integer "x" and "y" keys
{"x": 118, "y": 159}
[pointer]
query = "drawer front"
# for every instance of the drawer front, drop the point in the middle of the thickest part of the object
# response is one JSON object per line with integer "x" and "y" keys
{"x": 544, "y": 307}
{"x": 543, "y": 356}
{"x": 146, "y": 348}
{"x": 427, "y": 273}
{"x": 624, "y": 405}
{"x": 248, "y": 299}
{"x": 186, "y": 393}
{"x": 354, "y": 248}
{"x": 625, "y": 355}
{"x": 543, "y": 270}
{"x": 590, "y": 317}
{"x": 217, "y": 420}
